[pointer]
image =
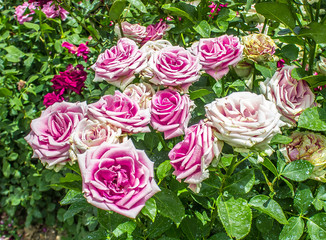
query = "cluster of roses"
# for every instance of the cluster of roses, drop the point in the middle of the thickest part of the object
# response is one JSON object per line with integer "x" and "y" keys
{"x": 116, "y": 176}
{"x": 25, "y": 12}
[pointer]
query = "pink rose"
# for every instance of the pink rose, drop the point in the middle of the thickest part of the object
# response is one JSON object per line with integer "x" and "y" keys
{"x": 174, "y": 66}
{"x": 170, "y": 112}
{"x": 290, "y": 96}
{"x": 191, "y": 157}
{"x": 121, "y": 111}
{"x": 217, "y": 54}
{"x": 141, "y": 93}
{"x": 135, "y": 32}
{"x": 71, "y": 47}
{"x": 50, "y": 133}
{"x": 89, "y": 134}
{"x": 119, "y": 65}
{"x": 244, "y": 120}
{"x": 52, "y": 98}
{"x": 20, "y": 12}
{"x": 155, "y": 31}
{"x": 51, "y": 10}
{"x": 117, "y": 177}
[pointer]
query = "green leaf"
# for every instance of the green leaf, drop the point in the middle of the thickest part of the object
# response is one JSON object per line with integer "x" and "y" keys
{"x": 289, "y": 185}
{"x": 280, "y": 139}
{"x": 110, "y": 220}
{"x": 163, "y": 169}
{"x": 266, "y": 72}
{"x": 303, "y": 198}
{"x": 70, "y": 177}
{"x": 235, "y": 216}
{"x": 320, "y": 200}
{"x": 72, "y": 197}
{"x": 139, "y": 5}
{"x": 5, "y": 92}
{"x": 270, "y": 166}
{"x": 199, "y": 93}
{"x": 193, "y": 228}
{"x": 290, "y": 51}
{"x": 269, "y": 207}
{"x": 264, "y": 223}
{"x": 6, "y": 168}
{"x": 99, "y": 234}
{"x": 291, "y": 39}
{"x": 116, "y": 9}
{"x": 204, "y": 29}
{"x": 14, "y": 54}
{"x": 315, "y": 80}
{"x": 161, "y": 225}
{"x": 317, "y": 226}
{"x": 316, "y": 31}
{"x": 177, "y": 11}
{"x": 293, "y": 230}
{"x": 150, "y": 209}
{"x": 210, "y": 186}
{"x": 313, "y": 119}
{"x": 219, "y": 236}
{"x": 279, "y": 12}
{"x": 299, "y": 170}
{"x": 241, "y": 182}
{"x": 34, "y": 26}
{"x": 75, "y": 208}
{"x": 169, "y": 205}
{"x": 126, "y": 227}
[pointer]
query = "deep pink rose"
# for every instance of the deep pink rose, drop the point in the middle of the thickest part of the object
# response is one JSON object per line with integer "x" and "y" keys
{"x": 83, "y": 51}
{"x": 73, "y": 79}
{"x": 291, "y": 97}
{"x": 191, "y": 157}
{"x": 244, "y": 120}
{"x": 155, "y": 31}
{"x": 121, "y": 111}
{"x": 21, "y": 9}
{"x": 119, "y": 64}
{"x": 50, "y": 133}
{"x": 39, "y": 2}
{"x": 174, "y": 66}
{"x": 52, "y": 11}
{"x": 117, "y": 177}
{"x": 170, "y": 112}
{"x": 217, "y": 54}
{"x": 52, "y": 98}
{"x": 135, "y": 32}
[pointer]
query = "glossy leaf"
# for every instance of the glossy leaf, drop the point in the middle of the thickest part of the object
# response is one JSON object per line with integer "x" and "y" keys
{"x": 317, "y": 226}
{"x": 293, "y": 230}
{"x": 299, "y": 170}
{"x": 313, "y": 119}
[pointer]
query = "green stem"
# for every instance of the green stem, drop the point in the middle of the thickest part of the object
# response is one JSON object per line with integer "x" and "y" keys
{"x": 120, "y": 27}
{"x": 228, "y": 172}
{"x": 265, "y": 24}
{"x": 312, "y": 57}
{"x": 165, "y": 146}
{"x": 304, "y": 61}
{"x": 317, "y": 10}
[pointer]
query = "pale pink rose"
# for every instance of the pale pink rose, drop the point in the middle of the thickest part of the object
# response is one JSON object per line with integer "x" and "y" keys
{"x": 174, "y": 66}
{"x": 50, "y": 133}
{"x": 141, "y": 93}
{"x": 89, "y": 134}
{"x": 119, "y": 64}
{"x": 291, "y": 97}
{"x": 21, "y": 9}
{"x": 150, "y": 47}
{"x": 117, "y": 177}
{"x": 191, "y": 157}
{"x": 244, "y": 120}
{"x": 170, "y": 112}
{"x": 121, "y": 111}
{"x": 51, "y": 10}
{"x": 155, "y": 31}
{"x": 217, "y": 54}
{"x": 135, "y": 32}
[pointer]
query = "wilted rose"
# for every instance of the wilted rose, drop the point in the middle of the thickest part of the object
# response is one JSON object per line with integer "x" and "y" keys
{"x": 174, "y": 66}
{"x": 258, "y": 47}
{"x": 121, "y": 111}
{"x": 321, "y": 66}
{"x": 135, "y": 32}
{"x": 191, "y": 157}
{"x": 170, "y": 112}
{"x": 308, "y": 146}
{"x": 244, "y": 120}
{"x": 291, "y": 97}
{"x": 217, "y": 54}
{"x": 117, "y": 177}
{"x": 50, "y": 133}
{"x": 141, "y": 93}
{"x": 119, "y": 64}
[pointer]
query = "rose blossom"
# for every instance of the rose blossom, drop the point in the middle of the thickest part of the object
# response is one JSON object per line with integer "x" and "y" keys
{"x": 244, "y": 120}
{"x": 135, "y": 32}
{"x": 121, "y": 111}
{"x": 141, "y": 93}
{"x": 52, "y": 98}
{"x": 174, "y": 66}
{"x": 321, "y": 66}
{"x": 53, "y": 11}
{"x": 170, "y": 112}
{"x": 119, "y": 65}
{"x": 20, "y": 10}
{"x": 90, "y": 134}
{"x": 155, "y": 32}
{"x": 117, "y": 177}
{"x": 290, "y": 96}
{"x": 217, "y": 54}
{"x": 191, "y": 157}
{"x": 308, "y": 146}
{"x": 50, "y": 133}
{"x": 258, "y": 47}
